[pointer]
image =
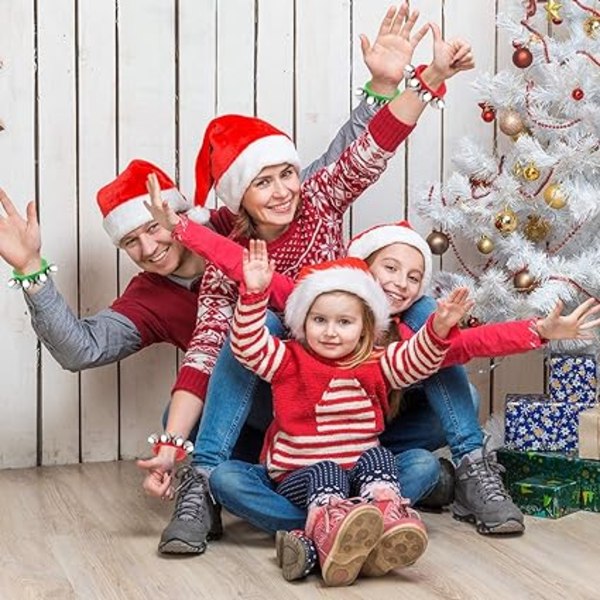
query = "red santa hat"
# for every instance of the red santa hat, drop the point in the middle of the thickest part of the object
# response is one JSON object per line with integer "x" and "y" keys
{"x": 122, "y": 201}
{"x": 234, "y": 151}
{"x": 380, "y": 236}
{"x": 345, "y": 275}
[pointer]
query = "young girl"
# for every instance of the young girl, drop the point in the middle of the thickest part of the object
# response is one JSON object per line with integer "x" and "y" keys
{"x": 330, "y": 388}
{"x": 441, "y": 410}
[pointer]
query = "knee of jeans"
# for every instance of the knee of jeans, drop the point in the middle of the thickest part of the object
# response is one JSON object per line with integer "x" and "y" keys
{"x": 223, "y": 481}
{"x": 475, "y": 397}
{"x": 425, "y": 462}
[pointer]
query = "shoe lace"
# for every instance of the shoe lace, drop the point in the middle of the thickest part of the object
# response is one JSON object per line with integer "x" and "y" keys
{"x": 488, "y": 473}
{"x": 192, "y": 493}
{"x": 337, "y": 509}
{"x": 400, "y": 509}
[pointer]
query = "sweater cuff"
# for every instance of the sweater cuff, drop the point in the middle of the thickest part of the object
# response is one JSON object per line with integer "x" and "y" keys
{"x": 193, "y": 381}
{"x": 253, "y": 297}
{"x": 388, "y": 131}
{"x": 441, "y": 343}
{"x": 537, "y": 341}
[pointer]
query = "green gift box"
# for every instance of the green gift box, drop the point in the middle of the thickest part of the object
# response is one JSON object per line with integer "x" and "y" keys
{"x": 553, "y": 465}
{"x": 544, "y": 497}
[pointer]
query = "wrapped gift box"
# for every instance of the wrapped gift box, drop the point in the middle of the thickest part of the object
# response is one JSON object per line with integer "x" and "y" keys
{"x": 521, "y": 465}
{"x": 589, "y": 433}
{"x": 549, "y": 498}
{"x": 535, "y": 422}
{"x": 573, "y": 378}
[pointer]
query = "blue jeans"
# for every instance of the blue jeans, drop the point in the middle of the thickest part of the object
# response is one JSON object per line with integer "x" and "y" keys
{"x": 235, "y": 397}
{"x": 246, "y": 490}
{"x": 237, "y": 410}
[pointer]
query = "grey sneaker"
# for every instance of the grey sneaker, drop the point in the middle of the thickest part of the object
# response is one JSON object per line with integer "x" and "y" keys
{"x": 443, "y": 492}
{"x": 480, "y": 496}
{"x": 196, "y": 518}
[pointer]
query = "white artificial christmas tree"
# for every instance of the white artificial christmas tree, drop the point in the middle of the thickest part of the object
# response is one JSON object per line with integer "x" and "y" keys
{"x": 532, "y": 209}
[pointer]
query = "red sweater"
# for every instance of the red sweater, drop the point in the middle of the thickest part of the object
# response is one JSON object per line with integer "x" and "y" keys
{"x": 323, "y": 411}
{"x": 315, "y": 236}
{"x": 161, "y": 310}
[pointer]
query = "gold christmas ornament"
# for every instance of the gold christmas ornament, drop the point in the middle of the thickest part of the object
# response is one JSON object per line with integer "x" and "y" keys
{"x": 555, "y": 197}
{"x": 506, "y": 221}
{"x": 518, "y": 170}
{"x": 591, "y": 27}
{"x": 524, "y": 281}
{"x": 531, "y": 172}
{"x": 485, "y": 245}
{"x": 537, "y": 228}
{"x": 510, "y": 122}
{"x": 438, "y": 242}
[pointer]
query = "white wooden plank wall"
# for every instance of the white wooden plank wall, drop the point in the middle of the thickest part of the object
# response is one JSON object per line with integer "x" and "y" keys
{"x": 120, "y": 79}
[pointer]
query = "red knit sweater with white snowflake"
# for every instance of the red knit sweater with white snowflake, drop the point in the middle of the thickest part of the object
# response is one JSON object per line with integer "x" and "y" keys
{"x": 323, "y": 411}
{"x": 314, "y": 236}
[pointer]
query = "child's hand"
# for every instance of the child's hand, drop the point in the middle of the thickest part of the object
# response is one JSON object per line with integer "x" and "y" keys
{"x": 451, "y": 310}
{"x": 449, "y": 57}
{"x": 160, "y": 210}
{"x": 392, "y": 50}
{"x": 258, "y": 269}
{"x": 574, "y": 326}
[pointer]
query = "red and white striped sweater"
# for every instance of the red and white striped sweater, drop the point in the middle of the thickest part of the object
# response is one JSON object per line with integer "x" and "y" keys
{"x": 323, "y": 411}
{"x": 314, "y": 237}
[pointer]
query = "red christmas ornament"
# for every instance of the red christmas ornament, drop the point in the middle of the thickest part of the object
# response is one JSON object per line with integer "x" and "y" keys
{"x": 577, "y": 94}
{"x": 522, "y": 58}
{"x": 473, "y": 322}
{"x": 557, "y": 21}
{"x": 488, "y": 114}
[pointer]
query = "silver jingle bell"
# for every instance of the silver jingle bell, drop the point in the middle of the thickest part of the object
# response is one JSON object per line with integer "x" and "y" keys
{"x": 413, "y": 83}
{"x": 426, "y": 96}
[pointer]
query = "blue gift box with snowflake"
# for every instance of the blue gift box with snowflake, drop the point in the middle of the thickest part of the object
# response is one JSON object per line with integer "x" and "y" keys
{"x": 536, "y": 422}
{"x": 573, "y": 378}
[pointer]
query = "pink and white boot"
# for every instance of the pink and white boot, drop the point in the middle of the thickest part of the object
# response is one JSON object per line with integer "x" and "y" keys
{"x": 404, "y": 537}
{"x": 344, "y": 533}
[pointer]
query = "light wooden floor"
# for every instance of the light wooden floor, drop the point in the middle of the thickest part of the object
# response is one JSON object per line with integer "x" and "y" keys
{"x": 89, "y": 532}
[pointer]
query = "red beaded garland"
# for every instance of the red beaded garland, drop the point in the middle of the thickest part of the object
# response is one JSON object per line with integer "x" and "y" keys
{"x": 577, "y": 94}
